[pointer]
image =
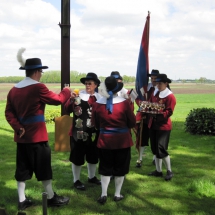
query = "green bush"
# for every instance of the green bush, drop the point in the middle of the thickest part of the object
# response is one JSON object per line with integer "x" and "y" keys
{"x": 201, "y": 121}
{"x": 51, "y": 114}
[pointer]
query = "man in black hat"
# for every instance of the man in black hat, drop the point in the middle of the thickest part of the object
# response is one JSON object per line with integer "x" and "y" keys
{"x": 114, "y": 117}
{"x": 123, "y": 92}
{"x": 25, "y": 113}
{"x": 161, "y": 126}
{"x": 142, "y": 135}
{"x": 83, "y": 134}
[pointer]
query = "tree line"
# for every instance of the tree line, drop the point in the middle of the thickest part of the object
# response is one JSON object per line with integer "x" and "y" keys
{"x": 55, "y": 77}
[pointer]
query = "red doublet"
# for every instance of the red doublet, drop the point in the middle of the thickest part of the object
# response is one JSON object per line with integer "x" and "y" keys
{"x": 120, "y": 121}
{"x": 25, "y": 109}
{"x": 163, "y": 121}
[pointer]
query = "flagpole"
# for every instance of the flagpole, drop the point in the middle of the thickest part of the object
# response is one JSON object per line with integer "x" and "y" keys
{"x": 143, "y": 62}
{"x": 142, "y": 73}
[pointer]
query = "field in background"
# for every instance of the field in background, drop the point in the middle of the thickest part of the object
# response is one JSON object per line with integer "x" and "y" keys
{"x": 176, "y": 88}
{"x": 191, "y": 191}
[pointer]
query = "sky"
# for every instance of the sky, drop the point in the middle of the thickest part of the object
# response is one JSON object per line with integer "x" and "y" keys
{"x": 106, "y": 36}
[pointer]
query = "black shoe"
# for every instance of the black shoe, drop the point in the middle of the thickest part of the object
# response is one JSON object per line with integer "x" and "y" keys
{"x": 94, "y": 180}
{"x": 57, "y": 200}
{"x": 102, "y": 199}
{"x": 156, "y": 174}
{"x": 139, "y": 163}
{"x": 153, "y": 162}
{"x": 169, "y": 175}
{"x": 116, "y": 199}
{"x": 25, "y": 204}
{"x": 78, "y": 185}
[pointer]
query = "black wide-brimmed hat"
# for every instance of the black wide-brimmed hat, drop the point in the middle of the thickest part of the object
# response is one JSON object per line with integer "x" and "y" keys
{"x": 154, "y": 72}
{"x": 163, "y": 78}
{"x": 113, "y": 85}
{"x": 33, "y": 63}
{"x": 90, "y": 76}
{"x": 116, "y": 75}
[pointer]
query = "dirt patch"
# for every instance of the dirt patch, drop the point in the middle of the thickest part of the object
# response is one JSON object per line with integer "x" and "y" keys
{"x": 176, "y": 88}
{"x": 193, "y": 88}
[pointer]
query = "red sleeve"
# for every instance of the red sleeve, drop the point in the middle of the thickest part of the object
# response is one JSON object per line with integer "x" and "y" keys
{"x": 169, "y": 108}
{"x": 51, "y": 98}
{"x": 69, "y": 106}
{"x": 11, "y": 117}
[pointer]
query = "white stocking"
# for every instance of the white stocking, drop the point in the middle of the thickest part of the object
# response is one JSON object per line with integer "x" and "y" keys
{"x": 118, "y": 184}
{"x": 167, "y": 163}
{"x": 158, "y": 163}
{"x": 21, "y": 190}
{"x": 141, "y": 150}
{"x": 91, "y": 170}
{"x": 48, "y": 188}
{"x": 105, "y": 180}
{"x": 76, "y": 170}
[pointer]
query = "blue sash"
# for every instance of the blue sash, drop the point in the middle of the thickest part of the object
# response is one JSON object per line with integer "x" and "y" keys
{"x": 113, "y": 130}
{"x": 32, "y": 119}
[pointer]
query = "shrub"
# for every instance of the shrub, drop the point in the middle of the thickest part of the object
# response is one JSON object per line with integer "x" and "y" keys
{"x": 51, "y": 114}
{"x": 201, "y": 121}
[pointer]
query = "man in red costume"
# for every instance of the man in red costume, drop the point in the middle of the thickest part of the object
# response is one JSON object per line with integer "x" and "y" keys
{"x": 25, "y": 113}
{"x": 160, "y": 126}
{"x": 142, "y": 135}
{"x": 113, "y": 117}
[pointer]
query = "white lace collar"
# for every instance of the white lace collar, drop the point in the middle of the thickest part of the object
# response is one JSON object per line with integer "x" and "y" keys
{"x": 85, "y": 96}
{"x": 165, "y": 93}
{"x": 26, "y": 82}
{"x": 116, "y": 99}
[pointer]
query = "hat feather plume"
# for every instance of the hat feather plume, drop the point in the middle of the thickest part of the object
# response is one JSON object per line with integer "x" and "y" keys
{"x": 20, "y": 58}
{"x": 103, "y": 90}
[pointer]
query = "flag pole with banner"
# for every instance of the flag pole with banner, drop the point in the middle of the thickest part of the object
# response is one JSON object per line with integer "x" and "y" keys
{"x": 142, "y": 81}
{"x": 143, "y": 63}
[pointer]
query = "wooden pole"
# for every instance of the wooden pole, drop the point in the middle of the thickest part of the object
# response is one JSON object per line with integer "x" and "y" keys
{"x": 65, "y": 45}
{"x": 44, "y": 200}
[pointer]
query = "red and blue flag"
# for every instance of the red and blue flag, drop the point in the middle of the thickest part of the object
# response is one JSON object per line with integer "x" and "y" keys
{"x": 143, "y": 63}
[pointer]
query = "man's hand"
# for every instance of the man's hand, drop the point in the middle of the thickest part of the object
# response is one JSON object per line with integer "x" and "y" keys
{"x": 21, "y": 132}
{"x": 73, "y": 95}
{"x": 68, "y": 88}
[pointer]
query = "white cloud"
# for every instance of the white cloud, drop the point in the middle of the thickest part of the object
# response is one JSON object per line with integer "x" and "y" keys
{"x": 106, "y": 35}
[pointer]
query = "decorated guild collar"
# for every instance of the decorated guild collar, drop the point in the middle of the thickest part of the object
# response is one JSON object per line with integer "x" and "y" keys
{"x": 85, "y": 96}
{"x": 26, "y": 82}
{"x": 165, "y": 93}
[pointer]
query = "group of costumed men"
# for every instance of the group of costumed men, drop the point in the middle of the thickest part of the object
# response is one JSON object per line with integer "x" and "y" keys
{"x": 103, "y": 116}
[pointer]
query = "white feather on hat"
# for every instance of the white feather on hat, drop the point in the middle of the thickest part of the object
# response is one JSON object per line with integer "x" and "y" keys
{"x": 20, "y": 58}
{"x": 103, "y": 90}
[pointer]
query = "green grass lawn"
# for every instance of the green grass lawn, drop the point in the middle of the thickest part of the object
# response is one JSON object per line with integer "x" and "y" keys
{"x": 191, "y": 191}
